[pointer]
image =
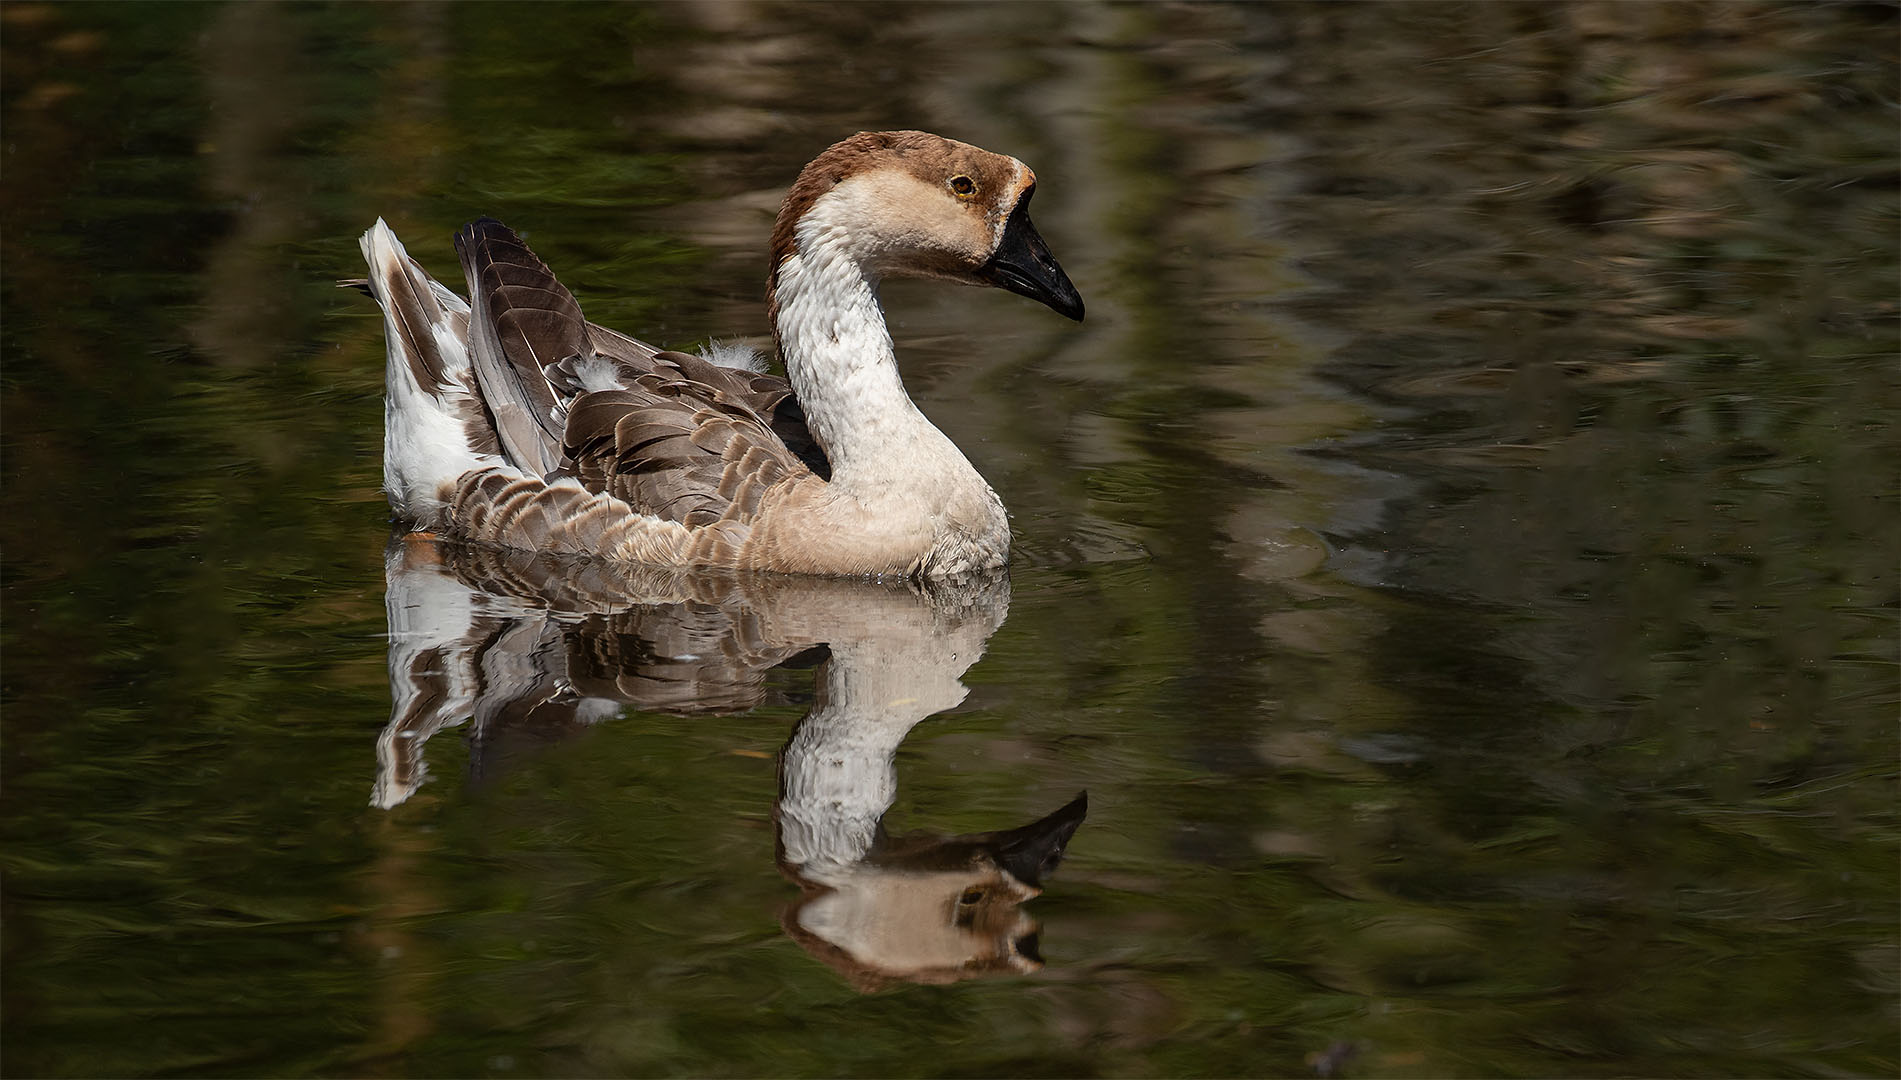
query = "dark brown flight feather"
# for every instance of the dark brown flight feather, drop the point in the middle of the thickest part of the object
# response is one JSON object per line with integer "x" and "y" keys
{"x": 522, "y": 321}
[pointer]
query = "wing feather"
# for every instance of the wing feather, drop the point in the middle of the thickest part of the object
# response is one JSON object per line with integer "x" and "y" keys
{"x": 522, "y": 322}
{"x": 685, "y": 443}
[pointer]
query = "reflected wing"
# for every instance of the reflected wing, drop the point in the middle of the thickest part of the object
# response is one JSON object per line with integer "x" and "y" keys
{"x": 656, "y": 638}
{"x": 690, "y": 659}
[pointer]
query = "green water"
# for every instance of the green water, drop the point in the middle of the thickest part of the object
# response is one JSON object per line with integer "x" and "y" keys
{"x": 1457, "y": 555}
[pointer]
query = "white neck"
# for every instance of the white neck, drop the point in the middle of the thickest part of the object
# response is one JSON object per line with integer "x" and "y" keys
{"x": 839, "y": 358}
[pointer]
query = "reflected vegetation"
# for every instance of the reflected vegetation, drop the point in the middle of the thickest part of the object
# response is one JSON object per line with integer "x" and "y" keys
{"x": 527, "y": 650}
{"x": 1458, "y": 555}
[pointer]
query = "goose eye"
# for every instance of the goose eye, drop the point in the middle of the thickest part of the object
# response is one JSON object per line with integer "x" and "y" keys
{"x": 963, "y": 186}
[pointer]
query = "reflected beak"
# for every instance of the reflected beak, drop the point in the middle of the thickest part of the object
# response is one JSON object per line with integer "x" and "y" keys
{"x": 1031, "y": 853}
{"x": 1023, "y": 264}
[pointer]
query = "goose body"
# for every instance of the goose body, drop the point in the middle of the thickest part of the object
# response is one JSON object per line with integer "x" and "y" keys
{"x": 512, "y": 420}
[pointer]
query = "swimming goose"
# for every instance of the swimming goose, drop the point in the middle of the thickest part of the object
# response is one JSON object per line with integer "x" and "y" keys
{"x": 512, "y": 420}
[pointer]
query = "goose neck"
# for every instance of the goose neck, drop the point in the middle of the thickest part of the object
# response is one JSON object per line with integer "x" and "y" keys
{"x": 841, "y": 363}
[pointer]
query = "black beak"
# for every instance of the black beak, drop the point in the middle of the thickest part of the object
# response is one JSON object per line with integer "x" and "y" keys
{"x": 1023, "y": 264}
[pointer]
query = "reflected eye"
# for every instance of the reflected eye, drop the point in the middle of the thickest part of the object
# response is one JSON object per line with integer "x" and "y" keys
{"x": 963, "y": 186}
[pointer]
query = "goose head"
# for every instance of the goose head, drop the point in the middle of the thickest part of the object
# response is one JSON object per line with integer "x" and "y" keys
{"x": 913, "y": 204}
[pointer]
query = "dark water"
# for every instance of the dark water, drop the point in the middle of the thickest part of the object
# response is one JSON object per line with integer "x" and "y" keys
{"x": 1457, "y": 555}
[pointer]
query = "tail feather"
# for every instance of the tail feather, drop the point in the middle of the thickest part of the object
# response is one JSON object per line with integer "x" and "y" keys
{"x": 413, "y": 309}
{"x": 436, "y": 426}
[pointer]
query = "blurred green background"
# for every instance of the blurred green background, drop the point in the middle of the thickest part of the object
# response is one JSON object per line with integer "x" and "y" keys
{"x": 1458, "y": 553}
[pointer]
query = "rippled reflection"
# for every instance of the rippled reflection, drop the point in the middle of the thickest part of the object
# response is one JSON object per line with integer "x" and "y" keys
{"x": 515, "y": 646}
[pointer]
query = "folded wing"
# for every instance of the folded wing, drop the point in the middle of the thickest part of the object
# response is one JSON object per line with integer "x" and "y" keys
{"x": 668, "y": 434}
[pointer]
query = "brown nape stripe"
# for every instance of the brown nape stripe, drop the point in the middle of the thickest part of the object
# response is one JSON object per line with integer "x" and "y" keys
{"x": 823, "y": 174}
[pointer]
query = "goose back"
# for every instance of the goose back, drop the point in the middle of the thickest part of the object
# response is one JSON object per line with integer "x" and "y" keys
{"x": 670, "y": 439}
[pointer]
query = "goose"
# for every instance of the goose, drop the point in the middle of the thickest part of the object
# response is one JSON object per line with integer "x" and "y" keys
{"x": 511, "y": 420}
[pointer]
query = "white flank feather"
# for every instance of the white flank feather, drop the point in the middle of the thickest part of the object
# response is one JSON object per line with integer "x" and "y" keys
{"x": 734, "y": 355}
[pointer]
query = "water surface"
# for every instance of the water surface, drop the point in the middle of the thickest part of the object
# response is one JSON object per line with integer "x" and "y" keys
{"x": 1457, "y": 555}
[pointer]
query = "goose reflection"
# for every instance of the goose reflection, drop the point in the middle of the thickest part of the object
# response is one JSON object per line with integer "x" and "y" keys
{"x": 520, "y": 647}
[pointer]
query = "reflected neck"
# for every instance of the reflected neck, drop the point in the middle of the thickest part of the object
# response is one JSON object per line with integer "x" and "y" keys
{"x": 837, "y": 777}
